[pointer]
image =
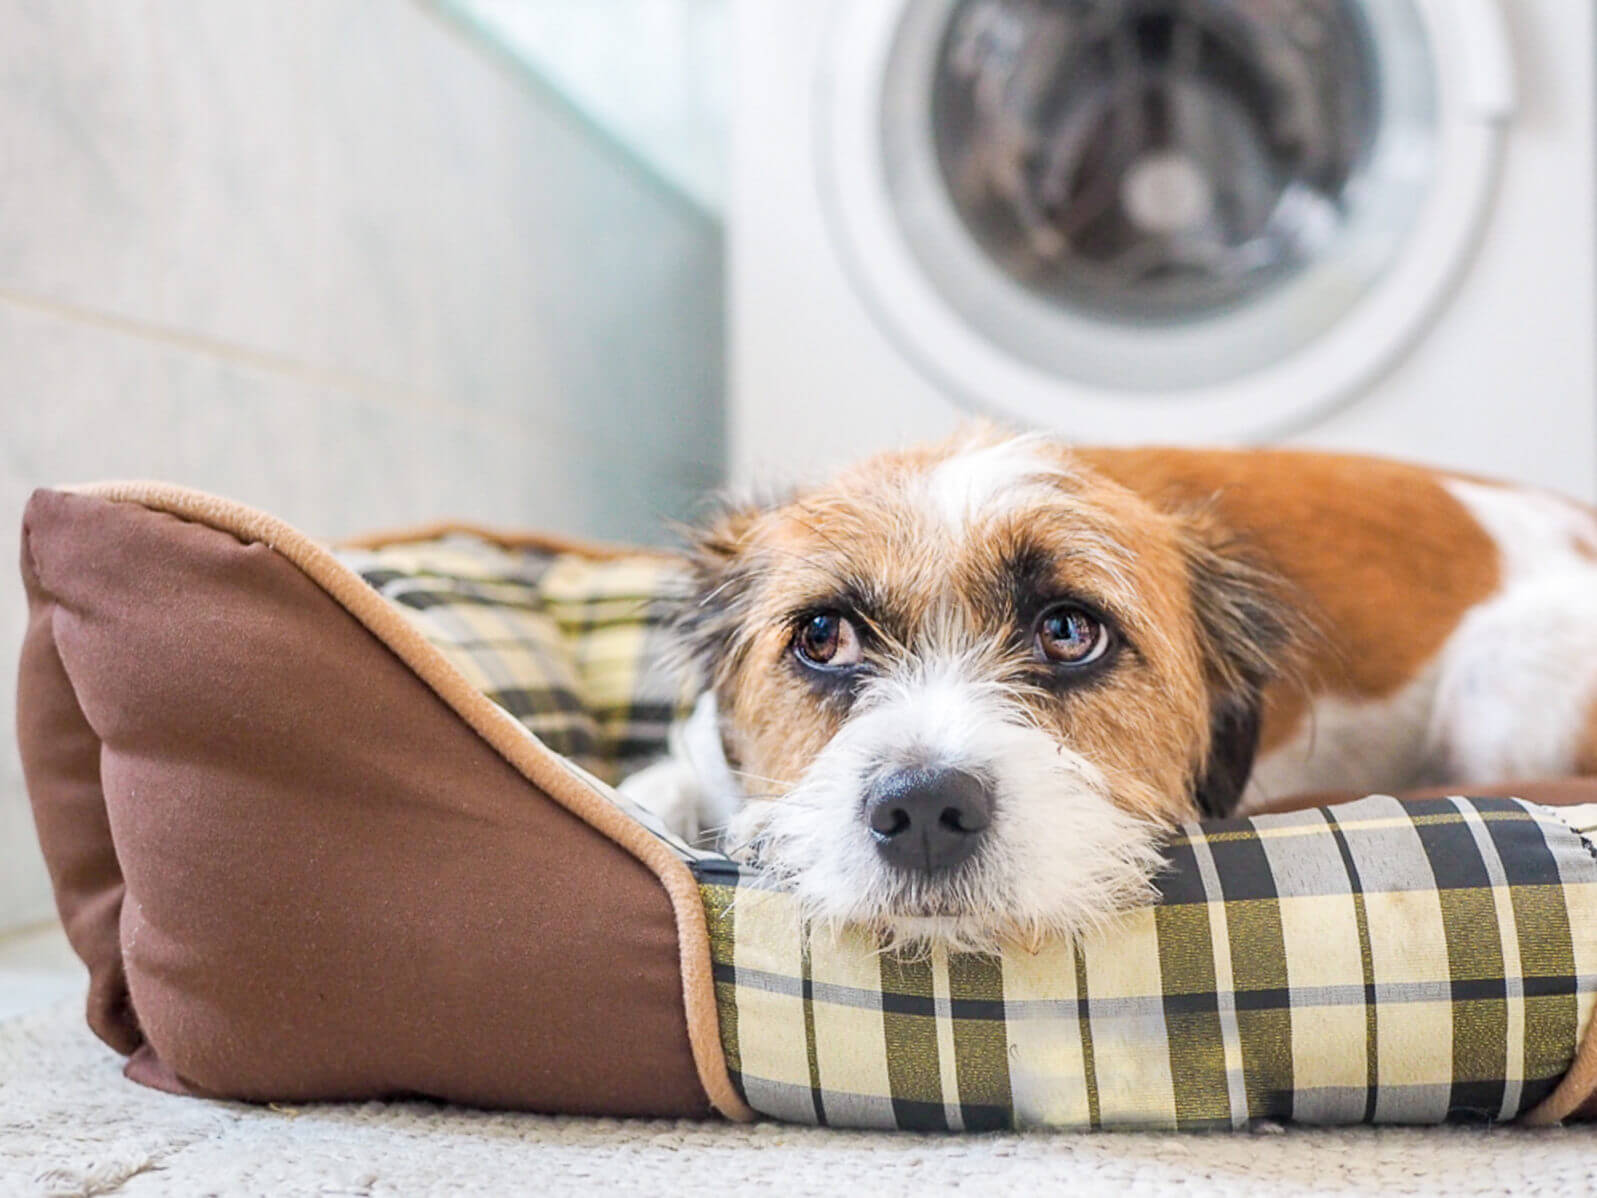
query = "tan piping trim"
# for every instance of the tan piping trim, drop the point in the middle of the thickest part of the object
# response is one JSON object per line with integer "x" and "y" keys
{"x": 1576, "y": 1087}
{"x": 531, "y": 759}
{"x": 547, "y": 542}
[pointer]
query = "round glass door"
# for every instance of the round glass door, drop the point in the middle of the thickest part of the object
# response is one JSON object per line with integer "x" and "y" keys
{"x": 1153, "y": 161}
{"x": 1156, "y": 195}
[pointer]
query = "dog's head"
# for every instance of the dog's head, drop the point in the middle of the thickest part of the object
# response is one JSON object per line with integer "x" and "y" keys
{"x": 967, "y": 688}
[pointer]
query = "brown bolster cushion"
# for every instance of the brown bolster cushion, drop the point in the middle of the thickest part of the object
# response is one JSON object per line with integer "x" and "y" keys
{"x": 293, "y": 871}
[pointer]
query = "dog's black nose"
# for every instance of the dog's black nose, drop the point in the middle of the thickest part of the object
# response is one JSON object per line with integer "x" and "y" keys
{"x": 928, "y": 819}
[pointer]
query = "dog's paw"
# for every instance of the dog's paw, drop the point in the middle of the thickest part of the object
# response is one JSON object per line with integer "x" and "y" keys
{"x": 670, "y": 790}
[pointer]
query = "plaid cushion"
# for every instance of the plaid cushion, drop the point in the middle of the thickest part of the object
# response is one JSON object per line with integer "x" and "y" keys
{"x": 1375, "y": 961}
{"x": 572, "y": 647}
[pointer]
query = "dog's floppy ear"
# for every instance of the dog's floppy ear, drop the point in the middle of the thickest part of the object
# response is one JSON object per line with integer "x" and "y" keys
{"x": 1251, "y": 629}
{"x": 710, "y": 611}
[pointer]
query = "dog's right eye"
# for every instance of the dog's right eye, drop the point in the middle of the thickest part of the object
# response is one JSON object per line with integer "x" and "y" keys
{"x": 827, "y": 640}
{"x": 1071, "y": 636}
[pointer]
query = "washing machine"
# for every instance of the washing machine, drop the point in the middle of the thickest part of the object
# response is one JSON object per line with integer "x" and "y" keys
{"x": 1359, "y": 224}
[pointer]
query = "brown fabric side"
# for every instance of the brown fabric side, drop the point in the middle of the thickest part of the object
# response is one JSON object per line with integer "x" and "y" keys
{"x": 61, "y": 765}
{"x": 334, "y": 887}
{"x": 545, "y": 769}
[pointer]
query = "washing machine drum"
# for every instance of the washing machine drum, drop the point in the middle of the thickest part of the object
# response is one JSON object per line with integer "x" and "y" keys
{"x": 1172, "y": 208}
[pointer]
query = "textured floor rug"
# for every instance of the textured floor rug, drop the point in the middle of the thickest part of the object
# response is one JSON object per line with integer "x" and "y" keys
{"x": 70, "y": 1124}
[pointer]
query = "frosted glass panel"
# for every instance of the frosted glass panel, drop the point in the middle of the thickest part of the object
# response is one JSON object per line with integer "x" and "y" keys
{"x": 652, "y": 74}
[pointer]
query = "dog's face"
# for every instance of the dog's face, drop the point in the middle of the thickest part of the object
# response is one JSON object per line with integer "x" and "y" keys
{"x": 968, "y": 688}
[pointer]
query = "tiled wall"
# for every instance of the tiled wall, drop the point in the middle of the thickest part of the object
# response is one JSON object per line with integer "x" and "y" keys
{"x": 331, "y": 259}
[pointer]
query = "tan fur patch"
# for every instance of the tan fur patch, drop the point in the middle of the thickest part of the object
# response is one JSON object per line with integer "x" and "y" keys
{"x": 1386, "y": 558}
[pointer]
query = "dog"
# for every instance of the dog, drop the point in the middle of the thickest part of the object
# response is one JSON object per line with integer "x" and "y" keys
{"x": 961, "y": 693}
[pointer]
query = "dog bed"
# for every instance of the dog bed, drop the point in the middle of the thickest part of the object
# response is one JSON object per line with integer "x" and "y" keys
{"x": 338, "y": 825}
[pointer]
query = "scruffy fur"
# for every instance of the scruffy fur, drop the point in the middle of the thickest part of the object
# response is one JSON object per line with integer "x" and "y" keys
{"x": 1230, "y": 626}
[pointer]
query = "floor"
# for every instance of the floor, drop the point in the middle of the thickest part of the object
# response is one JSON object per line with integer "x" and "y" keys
{"x": 70, "y": 1124}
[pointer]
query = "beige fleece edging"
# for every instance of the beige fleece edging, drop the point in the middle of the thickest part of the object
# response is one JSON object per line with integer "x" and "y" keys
{"x": 538, "y": 764}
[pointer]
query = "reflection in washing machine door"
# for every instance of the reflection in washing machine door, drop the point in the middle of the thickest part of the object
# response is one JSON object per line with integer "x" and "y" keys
{"x": 1156, "y": 160}
{"x": 1135, "y": 200}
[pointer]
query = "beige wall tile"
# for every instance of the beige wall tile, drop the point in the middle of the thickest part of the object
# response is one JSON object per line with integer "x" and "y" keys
{"x": 334, "y": 260}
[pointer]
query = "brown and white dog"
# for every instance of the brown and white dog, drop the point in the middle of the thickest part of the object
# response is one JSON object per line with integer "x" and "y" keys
{"x": 960, "y": 692}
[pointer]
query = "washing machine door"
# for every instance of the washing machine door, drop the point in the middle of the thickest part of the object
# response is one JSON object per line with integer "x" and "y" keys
{"x": 1177, "y": 220}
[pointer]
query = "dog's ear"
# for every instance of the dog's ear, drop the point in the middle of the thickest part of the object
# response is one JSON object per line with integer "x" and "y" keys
{"x": 1251, "y": 628}
{"x": 708, "y": 614}
{"x": 1233, "y": 741}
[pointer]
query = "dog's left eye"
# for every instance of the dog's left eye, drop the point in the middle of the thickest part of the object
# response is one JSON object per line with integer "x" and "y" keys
{"x": 828, "y": 640}
{"x": 1068, "y": 635}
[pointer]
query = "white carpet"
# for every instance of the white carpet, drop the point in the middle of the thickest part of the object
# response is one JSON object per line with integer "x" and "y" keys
{"x": 70, "y": 1124}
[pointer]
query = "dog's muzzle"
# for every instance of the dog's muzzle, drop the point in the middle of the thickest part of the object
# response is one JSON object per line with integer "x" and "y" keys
{"x": 928, "y": 820}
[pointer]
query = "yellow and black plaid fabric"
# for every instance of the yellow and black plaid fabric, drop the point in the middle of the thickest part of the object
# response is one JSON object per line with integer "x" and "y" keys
{"x": 1375, "y": 961}
{"x": 1372, "y": 962}
{"x": 570, "y": 646}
